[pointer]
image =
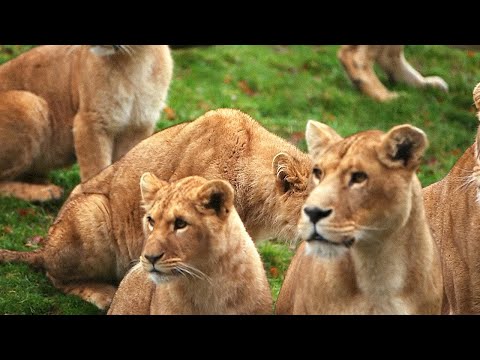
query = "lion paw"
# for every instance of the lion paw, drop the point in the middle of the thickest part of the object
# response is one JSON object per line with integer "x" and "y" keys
{"x": 436, "y": 82}
{"x": 49, "y": 192}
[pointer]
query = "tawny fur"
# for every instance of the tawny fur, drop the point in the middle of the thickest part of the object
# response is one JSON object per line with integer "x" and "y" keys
{"x": 210, "y": 266}
{"x": 381, "y": 259}
{"x": 98, "y": 232}
{"x": 453, "y": 210}
{"x": 62, "y": 103}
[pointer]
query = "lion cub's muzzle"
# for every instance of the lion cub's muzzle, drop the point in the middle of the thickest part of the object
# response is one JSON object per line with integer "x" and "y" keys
{"x": 155, "y": 265}
{"x": 315, "y": 214}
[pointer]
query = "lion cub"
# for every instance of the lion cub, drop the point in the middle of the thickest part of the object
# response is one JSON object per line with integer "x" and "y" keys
{"x": 197, "y": 257}
{"x": 60, "y": 103}
{"x": 367, "y": 247}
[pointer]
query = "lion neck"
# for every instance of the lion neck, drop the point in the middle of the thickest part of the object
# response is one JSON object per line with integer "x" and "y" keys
{"x": 229, "y": 269}
{"x": 263, "y": 208}
{"x": 382, "y": 265}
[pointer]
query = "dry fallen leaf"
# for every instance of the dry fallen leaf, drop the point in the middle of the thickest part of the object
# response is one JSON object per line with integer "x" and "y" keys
{"x": 296, "y": 137}
{"x": 456, "y": 152}
{"x": 274, "y": 272}
{"x": 243, "y": 85}
{"x": 205, "y": 106}
{"x": 7, "y": 230}
{"x": 227, "y": 79}
{"x": 25, "y": 212}
{"x": 170, "y": 113}
{"x": 432, "y": 161}
{"x": 35, "y": 241}
{"x": 470, "y": 53}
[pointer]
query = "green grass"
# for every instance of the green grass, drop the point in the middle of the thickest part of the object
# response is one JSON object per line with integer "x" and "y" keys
{"x": 282, "y": 87}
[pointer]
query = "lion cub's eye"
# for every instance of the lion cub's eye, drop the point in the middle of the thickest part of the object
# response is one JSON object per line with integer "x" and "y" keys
{"x": 317, "y": 173}
{"x": 151, "y": 222}
{"x": 358, "y": 177}
{"x": 179, "y": 224}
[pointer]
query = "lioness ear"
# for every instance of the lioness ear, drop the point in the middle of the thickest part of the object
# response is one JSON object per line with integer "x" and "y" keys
{"x": 319, "y": 136}
{"x": 149, "y": 186}
{"x": 216, "y": 196}
{"x": 403, "y": 146}
{"x": 288, "y": 173}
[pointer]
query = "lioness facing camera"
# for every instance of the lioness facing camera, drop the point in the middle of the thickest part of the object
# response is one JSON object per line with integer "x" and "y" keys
{"x": 90, "y": 103}
{"x": 197, "y": 258}
{"x": 367, "y": 248}
{"x": 99, "y": 232}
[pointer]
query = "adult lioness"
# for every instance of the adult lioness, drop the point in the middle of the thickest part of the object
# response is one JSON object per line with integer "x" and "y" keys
{"x": 453, "y": 210}
{"x": 60, "y": 101}
{"x": 367, "y": 247}
{"x": 98, "y": 231}
{"x": 197, "y": 258}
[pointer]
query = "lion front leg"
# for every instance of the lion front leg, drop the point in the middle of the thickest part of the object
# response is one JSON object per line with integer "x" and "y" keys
{"x": 392, "y": 60}
{"x": 98, "y": 294}
{"x": 358, "y": 61}
{"x": 130, "y": 137}
{"x": 93, "y": 144}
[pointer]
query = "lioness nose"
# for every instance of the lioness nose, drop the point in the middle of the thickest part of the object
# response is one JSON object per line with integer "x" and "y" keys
{"x": 315, "y": 213}
{"x": 154, "y": 258}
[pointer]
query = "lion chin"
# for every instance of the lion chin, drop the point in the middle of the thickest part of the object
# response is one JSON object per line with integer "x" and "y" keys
{"x": 160, "y": 278}
{"x": 325, "y": 249}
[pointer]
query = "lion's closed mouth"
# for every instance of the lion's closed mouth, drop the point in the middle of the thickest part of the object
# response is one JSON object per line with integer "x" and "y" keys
{"x": 317, "y": 237}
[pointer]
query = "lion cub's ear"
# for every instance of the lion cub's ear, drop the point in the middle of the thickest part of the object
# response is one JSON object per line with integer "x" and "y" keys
{"x": 149, "y": 186}
{"x": 215, "y": 197}
{"x": 403, "y": 146}
{"x": 319, "y": 136}
{"x": 288, "y": 173}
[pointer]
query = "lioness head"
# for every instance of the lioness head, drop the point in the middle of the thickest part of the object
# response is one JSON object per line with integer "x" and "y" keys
{"x": 106, "y": 50}
{"x": 362, "y": 185}
{"x": 183, "y": 224}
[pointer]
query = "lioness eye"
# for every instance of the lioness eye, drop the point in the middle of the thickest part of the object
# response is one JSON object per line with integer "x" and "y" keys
{"x": 151, "y": 222}
{"x": 317, "y": 173}
{"x": 179, "y": 224}
{"x": 358, "y": 177}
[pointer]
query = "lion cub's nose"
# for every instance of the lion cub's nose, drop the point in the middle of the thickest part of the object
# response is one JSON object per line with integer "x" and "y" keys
{"x": 154, "y": 258}
{"x": 315, "y": 213}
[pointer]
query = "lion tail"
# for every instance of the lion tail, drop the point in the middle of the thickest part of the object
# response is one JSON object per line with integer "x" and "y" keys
{"x": 33, "y": 258}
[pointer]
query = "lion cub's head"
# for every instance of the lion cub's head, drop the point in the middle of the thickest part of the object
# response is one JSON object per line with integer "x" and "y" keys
{"x": 363, "y": 186}
{"x": 183, "y": 225}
